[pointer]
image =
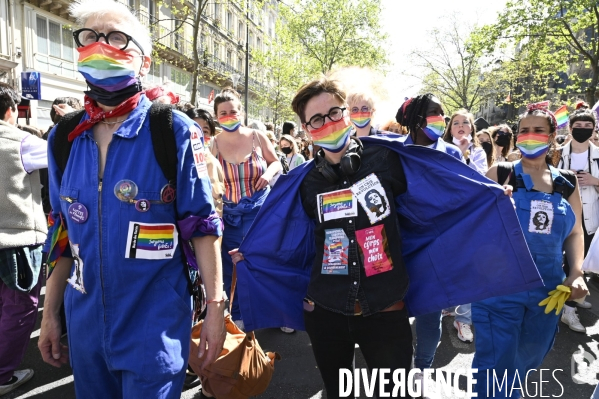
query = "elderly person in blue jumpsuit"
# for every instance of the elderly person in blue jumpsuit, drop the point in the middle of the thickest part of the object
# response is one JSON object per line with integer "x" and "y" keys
{"x": 126, "y": 296}
{"x": 513, "y": 332}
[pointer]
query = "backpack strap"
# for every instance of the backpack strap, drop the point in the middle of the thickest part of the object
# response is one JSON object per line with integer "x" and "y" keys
{"x": 505, "y": 170}
{"x": 567, "y": 187}
{"x": 62, "y": 146}
{"x": 163, "y": 140}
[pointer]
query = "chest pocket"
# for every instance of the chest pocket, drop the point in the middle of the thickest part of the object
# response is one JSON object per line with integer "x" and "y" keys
{"x": 68, "y": 197}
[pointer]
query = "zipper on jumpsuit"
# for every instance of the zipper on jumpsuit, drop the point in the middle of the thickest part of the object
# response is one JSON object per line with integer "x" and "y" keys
{"x": 100, "y": 225}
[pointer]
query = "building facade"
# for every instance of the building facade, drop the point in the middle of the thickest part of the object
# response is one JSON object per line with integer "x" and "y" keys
{"x": 36, "y": 35}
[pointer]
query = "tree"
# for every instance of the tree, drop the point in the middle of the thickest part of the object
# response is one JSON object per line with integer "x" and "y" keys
{"x": 337, "y": 32}
{"x": 452, "y": 68}
{"x": 283, "y": 72}
{"x": 559, "y": 36}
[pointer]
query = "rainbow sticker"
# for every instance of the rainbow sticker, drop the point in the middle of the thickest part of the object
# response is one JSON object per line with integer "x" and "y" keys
{"x": 561, "y": 116}
{"x": 336, "y": 205}
{"x": 360, "y": 119}
{"x": 229, "y": 123}
{"x": 435, "y": 127}
{"x": 151, "y": 241}
{"x": 532, "y": 145}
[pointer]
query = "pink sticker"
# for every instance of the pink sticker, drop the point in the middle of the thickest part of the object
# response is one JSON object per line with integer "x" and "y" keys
{"x": 374, "y": 245}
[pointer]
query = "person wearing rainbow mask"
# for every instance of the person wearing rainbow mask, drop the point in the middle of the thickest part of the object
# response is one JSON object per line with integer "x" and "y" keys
{"x": 115, "y": 249}
{"x": 513, "y": 332}
{"x": 361, "y": 112}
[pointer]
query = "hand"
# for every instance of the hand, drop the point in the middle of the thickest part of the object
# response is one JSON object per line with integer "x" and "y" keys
{"x": 63, "y": 109}
{"x": 53, "y": 352}
{"x": 578, "y": 287}
{"x": 212, "y": 337}
{"x": 586, "y": 179}
{"x": 262, "y": 182}
{"x": 236, "y": 256}
{"x": 464, "y": 144}
{"x": 508, "y": 190}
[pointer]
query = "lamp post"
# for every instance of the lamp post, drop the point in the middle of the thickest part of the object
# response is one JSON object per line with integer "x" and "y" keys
{"x": 247, "y": 57}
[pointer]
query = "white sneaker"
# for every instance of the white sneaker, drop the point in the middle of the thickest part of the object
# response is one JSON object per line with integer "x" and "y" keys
{"x": 287, "y": 330}
{"x": 570, "y": 318}
{"x": 464, "y": 331}
{"x": 19, "y": 378}
{"x": 584, "y": 305}
{"x": 239, "y": 324}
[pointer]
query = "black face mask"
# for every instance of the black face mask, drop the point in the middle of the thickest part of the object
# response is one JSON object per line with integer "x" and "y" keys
{"x": 488, "y": 147}
{"x": 503, "y": 140}
{"x": 112, "y": 98}
{"x": 582, "y": 134}
{"x": 286, "y": 150}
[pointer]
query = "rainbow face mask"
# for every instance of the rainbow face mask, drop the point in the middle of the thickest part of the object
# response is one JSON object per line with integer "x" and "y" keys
{"x": 107, "y": 67}
{"x": 229, "y": 123}
{"x": 360, "y": 119}
{"x": 333, "y": 136}
{"x": 435, "y": 127}
{"x": 532, "y": 145}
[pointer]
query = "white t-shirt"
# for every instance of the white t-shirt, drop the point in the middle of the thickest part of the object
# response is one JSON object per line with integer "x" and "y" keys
{"x": 579, "y": 161}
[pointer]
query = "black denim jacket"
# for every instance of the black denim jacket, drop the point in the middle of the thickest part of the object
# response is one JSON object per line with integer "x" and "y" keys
{"x": 338, "y": 293}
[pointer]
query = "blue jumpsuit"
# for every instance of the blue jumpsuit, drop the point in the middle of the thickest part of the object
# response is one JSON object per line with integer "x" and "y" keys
{"x": 129, "y": 332}
{"x": 513, "y": 333}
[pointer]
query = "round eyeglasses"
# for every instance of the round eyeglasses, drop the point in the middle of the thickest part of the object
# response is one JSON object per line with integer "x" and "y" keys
{"x": 85, "y": 37}
{"x": 317, "y": 121}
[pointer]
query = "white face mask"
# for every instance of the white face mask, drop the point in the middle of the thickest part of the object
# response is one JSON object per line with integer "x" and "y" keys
{"x": 457, "y": 142}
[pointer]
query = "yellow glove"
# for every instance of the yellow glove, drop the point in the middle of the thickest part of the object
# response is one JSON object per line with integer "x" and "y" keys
{"x": 556, "y": 299}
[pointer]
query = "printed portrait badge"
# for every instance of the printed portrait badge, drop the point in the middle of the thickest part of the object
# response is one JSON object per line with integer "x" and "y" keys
{"x": 78, "y": 212}
{"x": 151, "y": 241}
{"x": 335, "y": 259}
{"x": 371, "y": 196}
{"x": 142, "y": 205}
{"x": 76, "y": 279}
{"x": 125, "y": 190}
{"x": 375, "y": 248}
{"x": 336, "y": 205}
{"x": 197, "y": 147}
{"x": 541, "y": 217}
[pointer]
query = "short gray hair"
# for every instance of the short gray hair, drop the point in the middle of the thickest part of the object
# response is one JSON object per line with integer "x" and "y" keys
{"x": 257, "y": 125}
{"x": 86, "y": 9}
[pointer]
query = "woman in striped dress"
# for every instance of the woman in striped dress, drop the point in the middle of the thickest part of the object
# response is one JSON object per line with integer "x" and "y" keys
{"x": 249, "y": 163}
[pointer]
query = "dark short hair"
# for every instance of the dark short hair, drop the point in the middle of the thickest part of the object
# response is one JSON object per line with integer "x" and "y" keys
{"x": 71, "y": 101}
{"x": 269, "y": 127}
{"x": 583, "y": 115}
{"x": 288, "y": 126}
{"x": 313, "y": 89}
{"x": 202, "y": 114}
{"x": 412, "y": 112}
{"x": 9, "y": 98}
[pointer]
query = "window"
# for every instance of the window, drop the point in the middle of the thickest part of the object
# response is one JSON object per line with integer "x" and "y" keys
{"x": 217, "y": 50}
{"x": 251, "y": 40}
{"x": 259, "y": 44}
{"x": 205, "y": 90}
{"x": 241, "y": 31}
{"x": 180, "y": 82}
{"x": 54, "y": 47}
{"x": 229, "y": 59}
{"x": 229, "y": 22}
{"x": 239, "y": 65}
{"x": 4, "y": 49}
{"x": 216, "y": 10}
{"x": 154, "y": 76}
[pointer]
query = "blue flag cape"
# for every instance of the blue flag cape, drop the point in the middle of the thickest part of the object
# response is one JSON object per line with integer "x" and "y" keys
{"x": 461, "y": 239}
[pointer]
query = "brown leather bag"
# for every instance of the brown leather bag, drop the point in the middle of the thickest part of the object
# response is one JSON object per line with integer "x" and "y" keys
{"x": 242, "y": 370}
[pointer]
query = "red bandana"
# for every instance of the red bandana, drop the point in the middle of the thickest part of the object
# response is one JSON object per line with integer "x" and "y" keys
{"x": 544, "y": 107}
{"x": 97, "y": 115}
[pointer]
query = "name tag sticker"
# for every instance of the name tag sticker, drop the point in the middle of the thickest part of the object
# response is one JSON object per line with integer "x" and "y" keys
{"x": 336, "y": 205}
{"x": 372, "y": 197}
{"x": 151, "y": 241}
{"x": 375, "y": 248}
{"x": 335, "y": 259}
{"x": 541, "y": 217}
{"x": 197, "y": 147}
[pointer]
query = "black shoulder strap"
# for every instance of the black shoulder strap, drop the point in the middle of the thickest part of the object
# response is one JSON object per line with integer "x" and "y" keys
{"x": 163, "y": 140}
{"x": 62, "y": 146}
{"x": 564, "y": 189}
{"x": 505, "y": 170}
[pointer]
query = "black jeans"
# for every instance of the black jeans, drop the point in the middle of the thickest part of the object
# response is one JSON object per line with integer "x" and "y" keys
{"x": 385, "y": 339}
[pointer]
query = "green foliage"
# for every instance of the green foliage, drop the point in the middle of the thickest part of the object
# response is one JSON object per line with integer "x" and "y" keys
{"x": 336, "y": 33}
{"x": 545, "y": 44}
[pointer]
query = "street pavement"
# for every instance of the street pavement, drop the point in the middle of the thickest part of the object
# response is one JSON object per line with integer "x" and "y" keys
{"x": 297, "y": 377}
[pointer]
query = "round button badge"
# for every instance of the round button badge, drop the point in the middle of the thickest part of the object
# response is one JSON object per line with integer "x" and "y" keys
{"x": 125, "y": 190}
{"x": 78, "y": 212}
{"x": 142, "y": 205}
{"x": 168, "y": 193}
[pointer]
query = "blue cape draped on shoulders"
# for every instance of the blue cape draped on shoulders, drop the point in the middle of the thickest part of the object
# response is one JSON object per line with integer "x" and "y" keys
{"x": 461, "y": 241}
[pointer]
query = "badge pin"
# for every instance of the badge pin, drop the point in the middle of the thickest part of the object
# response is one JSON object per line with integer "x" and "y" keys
{"x": 168, "y": 193}
{"x": 78, "y": 212}
{"x": 125, "y": 190}
{"x": 142, "y": 205}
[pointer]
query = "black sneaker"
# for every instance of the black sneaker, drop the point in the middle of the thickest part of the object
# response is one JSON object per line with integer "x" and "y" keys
{"x": 191, "y": 381}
